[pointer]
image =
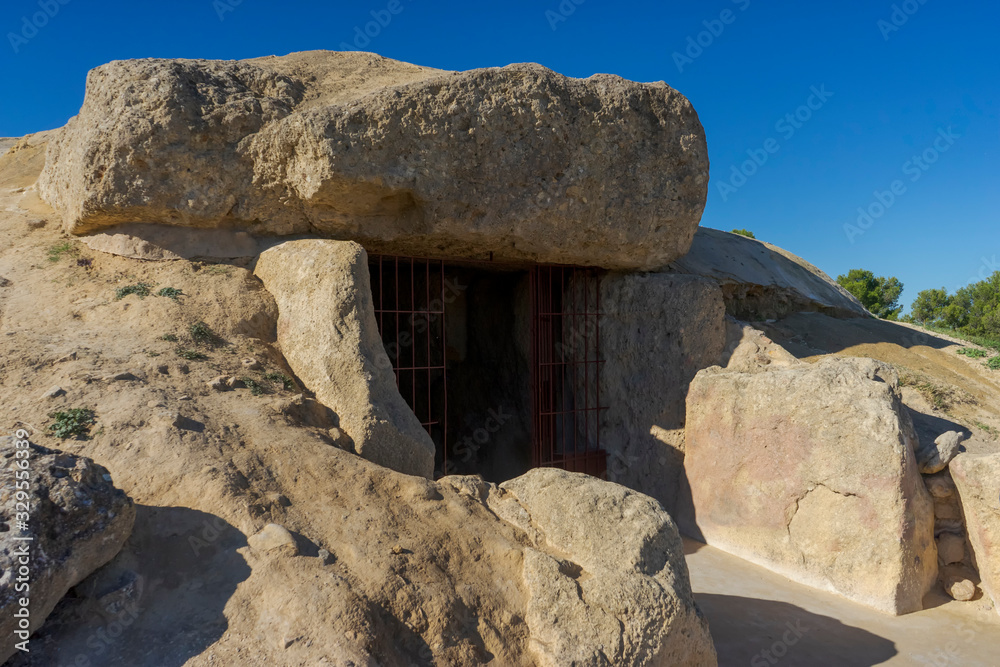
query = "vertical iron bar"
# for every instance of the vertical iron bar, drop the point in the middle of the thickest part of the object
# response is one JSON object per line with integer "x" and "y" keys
{"x": 597, "y": 358}
{"x": 586, "y": 366}
{"x": 444, "y": 363}
{"x": 572, "y": 358}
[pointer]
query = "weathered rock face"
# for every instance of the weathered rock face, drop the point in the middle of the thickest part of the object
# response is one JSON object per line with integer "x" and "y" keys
{"x": 77, "y": 522}
{"x": 657, "y": 332}
{"x": 328, "y": 332}
{"x": 978, "y": 482}
{"x": 809, "y": 471}
{"x": 621, "y": 594}
{"x": 762, "y": 281}
{"x": 517, "y": 161}
{"x": 6, "y": 143}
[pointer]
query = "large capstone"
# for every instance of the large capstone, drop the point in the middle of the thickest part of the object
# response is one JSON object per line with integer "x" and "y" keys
{"x": 517, "y": 161}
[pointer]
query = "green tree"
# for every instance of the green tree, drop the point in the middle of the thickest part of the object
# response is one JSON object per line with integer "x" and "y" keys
{"x": 744, "y": 232}
{"x": 930, "y": 306}
{"x": 878, "y": 294}
{"x": 982, "y": 303}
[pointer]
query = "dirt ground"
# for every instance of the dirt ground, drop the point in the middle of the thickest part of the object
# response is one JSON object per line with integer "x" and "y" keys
{"x": 752, "y": 611}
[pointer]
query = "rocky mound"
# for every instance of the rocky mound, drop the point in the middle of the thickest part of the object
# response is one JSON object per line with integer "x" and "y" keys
{"x": 6, "y": 143}
{"x": 515, "y": 162}
{"x": 375, "y": 565}
{"x": 762, "y": 281}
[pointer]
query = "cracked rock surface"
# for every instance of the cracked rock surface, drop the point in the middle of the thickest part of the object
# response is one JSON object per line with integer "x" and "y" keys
{"x": 821, "y": 478}
{"x": 76, "y": 522}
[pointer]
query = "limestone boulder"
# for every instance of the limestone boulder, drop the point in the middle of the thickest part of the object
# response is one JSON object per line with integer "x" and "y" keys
{"x": 978, "y": 481}
{"x": 605, "y": 573}
{"x": 809, "y": 470}
{"x": 659, "y": 330}
{"x": 76, "y": 522}
{"x": 935, "y": 457}
{"x": 329, "y": 336}
{"x": 516, "y": 161}
{"x": 762, "y": 281}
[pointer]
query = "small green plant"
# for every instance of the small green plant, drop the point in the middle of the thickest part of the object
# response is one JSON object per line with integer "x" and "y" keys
{"x": 986, "y": 427}
{"x": 170, "y": 338}
{"x": 280, "y": 378}
{"x": 73, "y": 423}
{"x": 141, "y": 290}
{"x": 170, "y": 293}
{"x": 191, "y": 355}
{"x": 202, "y": 334}
{"x": 57, "y": 251}
{"x": 994, "y": 363}
{"x": 973, "y": 352}
{"x": 256, "y": 388}
{"x": 744, "y": 232}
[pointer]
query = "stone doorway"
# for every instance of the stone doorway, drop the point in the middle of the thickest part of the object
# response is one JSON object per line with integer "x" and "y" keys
{"x": 500, "y": 363}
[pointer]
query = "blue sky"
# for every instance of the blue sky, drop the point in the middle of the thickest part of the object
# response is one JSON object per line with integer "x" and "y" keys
{"x": 904, "y": 121}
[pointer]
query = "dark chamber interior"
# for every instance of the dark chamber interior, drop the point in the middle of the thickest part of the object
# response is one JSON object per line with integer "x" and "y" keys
{"x": 458, "y": 338}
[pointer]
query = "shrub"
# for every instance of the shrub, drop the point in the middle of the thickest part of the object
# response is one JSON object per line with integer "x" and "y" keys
{"x": 280, "y": 378}
{"x": 170, "y": 338}
{"x": 973, "y": 352}
{"x": 170, "y": 293}
{"x": 191, "y": 355}
{"x": 973, "y": 311}
{"x": 73, "y": 423}
{"x": 994, "y": 363}
{"x": 744, "y": 232}
{"x": 202, "y": 334}
{"x": 141, "y": 290}
{"x": 256, "y": 388}
{"x": 878, "y": 294}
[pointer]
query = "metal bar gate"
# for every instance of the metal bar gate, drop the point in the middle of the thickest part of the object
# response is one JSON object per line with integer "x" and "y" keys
{"x": 409, "y": 297}
{"x": 566, "y": 369}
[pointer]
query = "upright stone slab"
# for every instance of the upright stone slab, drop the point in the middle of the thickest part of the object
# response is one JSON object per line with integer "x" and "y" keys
{"x": 978, "y": 482}
{"x": 328, "y": 334}
{"x": 809, "y": 471}
{"x": 657, "y": 332}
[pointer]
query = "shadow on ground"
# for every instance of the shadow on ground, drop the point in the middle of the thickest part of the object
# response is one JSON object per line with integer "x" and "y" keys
{"x": 159, "y": 603}
{"x": 755, "y": 632}
{"x": 809, "y": 334}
